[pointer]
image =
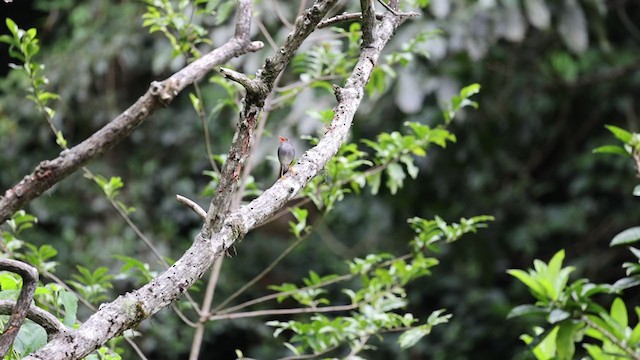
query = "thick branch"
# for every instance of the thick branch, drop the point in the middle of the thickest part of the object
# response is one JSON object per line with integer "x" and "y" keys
{"x": 130, "y": 309}
{"x": 50, "y": 323}
{"x": 303, "y": 27}
{"x": 252, "y": 86}
{"x": 50, "y": 172}
{"x": 368, "y": 22}
{"x": 311, "y": 162}
{"x": 29, "y": 276}
{"x": 257, "y": 92}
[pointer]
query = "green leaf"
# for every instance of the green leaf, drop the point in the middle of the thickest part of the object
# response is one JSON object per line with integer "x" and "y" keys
{"x": 31, "y": 337}
{"x": 60, "y": 140}
{"x": 412, "y": 336}
{"x": 626, "y": 237}
{"x": 469, "y": 90}
{"x": 611, "y": 149}
{"x": 374, "y": 182}
{"x": 565, "y": 344}
{"x": 12, "y": 26}
{"x": 526, "y": 309}
{"x": 195, "y": 102}
{"x": 396, "y": 177}
{"x": 412, "y": 170}
{"x": 536, "y": 289}
{"x": 7, "y": 39}
{"x": 557, "y": 315}
{"x": 619, "y": 312}
{"x": 635, "y": 334}
{"x": 620, "y": 133}
{"x": 70, "y": 304}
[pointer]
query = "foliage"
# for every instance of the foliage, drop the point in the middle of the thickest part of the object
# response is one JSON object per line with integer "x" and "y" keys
{"x": 174, "y": 19}
{"x": 51, "y": 297}
{"x": 572, "y": 313}
{"x": 571, "y": 310}
{"x": 375, "y": 302}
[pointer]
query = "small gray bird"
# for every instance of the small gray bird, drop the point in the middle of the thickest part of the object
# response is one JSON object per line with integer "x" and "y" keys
{"x": 286, "y": 153}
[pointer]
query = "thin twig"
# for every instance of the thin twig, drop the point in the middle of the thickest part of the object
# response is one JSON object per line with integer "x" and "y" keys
{"x": 309, "y": 356}
{"x": 619, "y": 343}
{"x": 384, "y": 5}
{"x": 276, "y": 9}
{"x": 281, "y": 294}
{"x": 361, "y": 343}
{"x": 192, "y": 205}
{"x": 344, "y": 17}
{"x": 196, "y": 343}
{"x": 263, "y": 272}
{"x": 266, "y": 34}
{"x": 205, "y": 128}
{"x": 270, "y": 312}
{"x": 314, "y": 286}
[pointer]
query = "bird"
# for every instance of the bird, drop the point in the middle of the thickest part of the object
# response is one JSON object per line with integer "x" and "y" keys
{"x": 286, "y": 153}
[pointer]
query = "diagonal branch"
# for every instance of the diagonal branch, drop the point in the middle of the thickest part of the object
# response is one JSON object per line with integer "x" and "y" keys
{"x": 50, "y": 323}
{"x": 128, "y": 310}
{"x": 257, "y": 91}
{"x": 29, "y": 276}
{"x": 50, "y": 172}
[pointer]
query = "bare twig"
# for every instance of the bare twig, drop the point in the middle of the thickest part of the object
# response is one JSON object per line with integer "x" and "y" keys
{"x": 192, "y": 205}
{"x": 281, "y": 16}
{"x": 358, "y": 16}
{"x": 309, "y": 356}
{"x": 271, "y": 312}
{"x": 205, "y": 128}
{"x": 206, "y": 307}
{"x": 264, "y": 272}
{"x": 265, "y": 32}
{"x": 314, "y": 286}
{"x": 389, "y": 8}
{"x": 29, "y": 276}
{"x": 344, "y": 17}
{"x": 281, "y": 294}
{"x": 251, "y": 86}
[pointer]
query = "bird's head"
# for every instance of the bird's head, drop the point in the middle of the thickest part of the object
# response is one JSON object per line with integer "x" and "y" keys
{"x": 283, "y": 139}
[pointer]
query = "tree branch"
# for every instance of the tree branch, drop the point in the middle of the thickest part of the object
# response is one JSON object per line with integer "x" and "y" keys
{"x": 270, "y": 312}
{"x": 619, "y": 343}
{"x": 50, "y": 172}
{"x": 257, "y": 92}
{"x": 368, "y": 22}
{"x": 50, "y": 323}
{"x": 192, "y": 205}
{"x": 344, "y": 17}
{"x": 130, "y": 309}
{"x": 29, "y": 276}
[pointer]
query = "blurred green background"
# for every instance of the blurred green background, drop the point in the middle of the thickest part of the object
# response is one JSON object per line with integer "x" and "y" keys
{"x": 553, "y": 73}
